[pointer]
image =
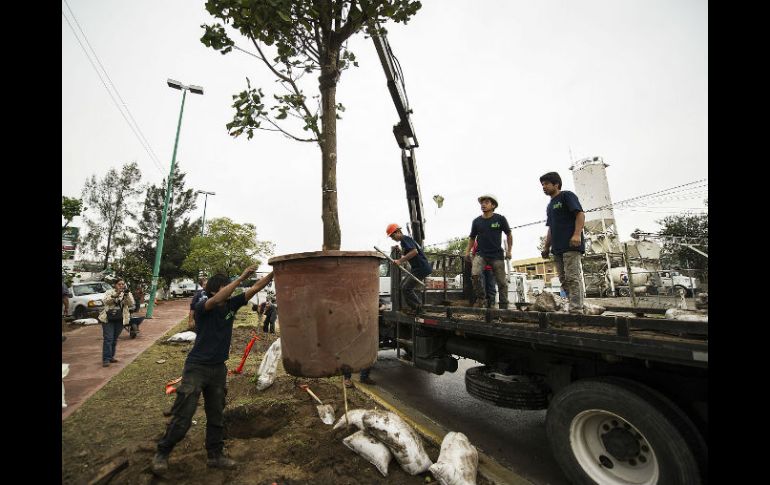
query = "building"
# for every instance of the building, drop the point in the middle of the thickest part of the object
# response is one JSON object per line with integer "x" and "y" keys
{"x": 536, "y": 268}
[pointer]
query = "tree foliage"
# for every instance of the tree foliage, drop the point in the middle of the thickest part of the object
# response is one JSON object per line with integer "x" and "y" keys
{"x": 179, "y": 229}
{"x": 111, "y": 200}
{"x": 70, "y": 209}
{"x": 455, "y": 245}
{"x": 305, "y": 37}
{"x": 227, "y": 248}
{"x": 135, "y": 271}
{"x": 695, "y": 229}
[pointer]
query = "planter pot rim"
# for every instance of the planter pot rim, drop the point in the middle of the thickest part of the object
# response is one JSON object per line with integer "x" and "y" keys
{"x": 321, "y": 254}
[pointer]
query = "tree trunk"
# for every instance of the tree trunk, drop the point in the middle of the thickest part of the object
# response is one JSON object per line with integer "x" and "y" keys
{"x": 107, "y": 250}
{"x": 329, "y": 216}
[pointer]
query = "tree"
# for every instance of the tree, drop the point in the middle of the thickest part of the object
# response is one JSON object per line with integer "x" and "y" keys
{"x": 309, "y": 36}
{"x": 694, "y": 228}
{"x": 70, "y": 208}
{"x": 179, "y": 229}
{"x": 227, "y": 248}
{"x": 112, "y": 202}
{"x": 454, "y": 246}
{"x": 135, "y": 271}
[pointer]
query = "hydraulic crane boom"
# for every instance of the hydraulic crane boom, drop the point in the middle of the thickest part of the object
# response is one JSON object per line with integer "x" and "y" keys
{"x": 405, "y": 136}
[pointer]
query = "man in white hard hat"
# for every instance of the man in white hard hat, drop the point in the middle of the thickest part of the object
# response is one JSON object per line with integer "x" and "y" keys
{"x": 487, "y": 230}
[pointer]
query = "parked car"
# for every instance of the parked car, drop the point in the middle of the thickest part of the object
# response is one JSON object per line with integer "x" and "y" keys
{"x": 182, "y": 287}
{"x": 87, "y": 299}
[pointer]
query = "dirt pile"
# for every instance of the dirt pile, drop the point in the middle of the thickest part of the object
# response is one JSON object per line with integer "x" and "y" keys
{"x": 275, "y": 435}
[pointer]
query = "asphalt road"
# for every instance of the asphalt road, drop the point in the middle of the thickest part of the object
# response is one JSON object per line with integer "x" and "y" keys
{"x": 514, "y": 438}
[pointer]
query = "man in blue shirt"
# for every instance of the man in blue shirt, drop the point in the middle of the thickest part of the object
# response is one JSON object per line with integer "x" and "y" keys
{"x": 205, "y": 371}
{"x": 487, "y": 230}
{"x": 564, "y": 239}
{"x": 420, "y": 266}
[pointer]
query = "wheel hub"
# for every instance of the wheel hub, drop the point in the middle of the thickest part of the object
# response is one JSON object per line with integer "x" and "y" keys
{"x": 621, "y": 444}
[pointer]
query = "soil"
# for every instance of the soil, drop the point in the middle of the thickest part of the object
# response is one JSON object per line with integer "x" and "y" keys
{"x": 275, "y": 435}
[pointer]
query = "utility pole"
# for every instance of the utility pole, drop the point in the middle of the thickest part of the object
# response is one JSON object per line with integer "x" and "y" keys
{"x": 203, "y": 221}
{"x": 159, "y": 247}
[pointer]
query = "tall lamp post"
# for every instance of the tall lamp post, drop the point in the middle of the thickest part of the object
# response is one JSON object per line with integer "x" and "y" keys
{"x": 159, "y": 248}
{"x": 205, "y": 200}
{"x": 203, "y": 222}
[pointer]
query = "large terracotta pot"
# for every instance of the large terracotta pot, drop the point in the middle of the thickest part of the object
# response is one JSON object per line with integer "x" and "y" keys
{"x": 328, "y": 310}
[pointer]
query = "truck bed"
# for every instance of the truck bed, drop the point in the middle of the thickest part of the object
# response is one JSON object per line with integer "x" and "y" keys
{"x": 656, "y": 339}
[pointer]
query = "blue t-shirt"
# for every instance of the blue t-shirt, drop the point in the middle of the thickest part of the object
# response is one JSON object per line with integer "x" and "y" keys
{"x": 489, "y": 234}
{"x": 215, "y": 331}
{"x": 562, "y": 211}
{"x": 419, "y": 263}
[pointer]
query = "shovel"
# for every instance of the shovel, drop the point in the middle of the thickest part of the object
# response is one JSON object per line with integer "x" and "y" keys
{"x": 325, "y": 411}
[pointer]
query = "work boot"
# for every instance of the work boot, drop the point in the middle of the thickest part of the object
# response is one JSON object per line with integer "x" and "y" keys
{"x": 106, "y": 363}
{"x": 160, "y": 463}
{"x": 368, "y": 380}
{"x": 503, "y": 306}
{"x": 221, "y": 461}
{"x": 114, "y": 360}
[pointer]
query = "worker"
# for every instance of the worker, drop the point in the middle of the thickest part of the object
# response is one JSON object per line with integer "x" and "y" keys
{"x": 419, "y": 264}
{"x": 565, "y": 221}
{"x": 487, "y": 230}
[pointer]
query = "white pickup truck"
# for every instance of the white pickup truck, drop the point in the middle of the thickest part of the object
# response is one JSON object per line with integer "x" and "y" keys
{"x": 673, "y": 281}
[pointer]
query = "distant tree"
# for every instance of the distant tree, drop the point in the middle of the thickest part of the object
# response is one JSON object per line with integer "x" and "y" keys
{"x": 70, "y": 209}
{"x": 227, "y": 248}
{"x": 455, "y": 245}
{"x": 111, "y": 200}
{"x": 179, "y": 229}
{"x": 691, "y": 226}
{"x": 309, "y": 36}
{"x": 135, "y": 271}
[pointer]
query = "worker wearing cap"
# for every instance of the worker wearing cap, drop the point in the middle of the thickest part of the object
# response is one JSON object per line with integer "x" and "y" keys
{"x": 487, "y": 230}
{"x": 420, "y": 266}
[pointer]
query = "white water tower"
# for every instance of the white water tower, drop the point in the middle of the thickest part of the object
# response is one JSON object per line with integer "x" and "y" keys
{"x": 593, "y": 190}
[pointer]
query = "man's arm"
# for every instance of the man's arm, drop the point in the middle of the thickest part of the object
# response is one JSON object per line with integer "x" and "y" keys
{"x": 508, "y": 244}
{"x": 468, "y": 249}
{"x": 407, "y": 256}
{"x": 66, "y": 302}
{"x": 580, "y": 221}
{"x": 258, "y": 286}
{"x": 546, "y": 245}
{"x": 224, "y": 293}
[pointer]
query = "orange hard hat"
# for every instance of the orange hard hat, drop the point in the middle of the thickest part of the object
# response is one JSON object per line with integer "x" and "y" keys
{"x": 391, "y": 229}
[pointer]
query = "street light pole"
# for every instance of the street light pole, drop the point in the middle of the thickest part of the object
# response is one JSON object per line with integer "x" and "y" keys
{"x": 205, "y": 201}
{"x": 159, "y": 248}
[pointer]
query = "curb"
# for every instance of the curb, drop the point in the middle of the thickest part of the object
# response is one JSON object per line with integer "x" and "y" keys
{"x": 489, "y": 468}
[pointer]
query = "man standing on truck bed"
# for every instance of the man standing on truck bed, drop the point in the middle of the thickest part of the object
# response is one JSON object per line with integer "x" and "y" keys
{"x": 565, "y": 223}
{"x": 420, "y": 266}
{"x": 487, "y": 230}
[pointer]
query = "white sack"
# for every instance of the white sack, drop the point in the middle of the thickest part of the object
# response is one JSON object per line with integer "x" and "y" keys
{"x": 188, "y": 336}
{"x": 269, "y": 366}
{"x": 370, "y": 449}
{"x": 400, "y": 438}
{"x": 85, "y": 321}
{"x": 65, "y": 369}
{"x": 354, "y": 418}
{"x": 686, "y": 315}
{"x": 591, "y": 309}
{"x": 457, "y": 462}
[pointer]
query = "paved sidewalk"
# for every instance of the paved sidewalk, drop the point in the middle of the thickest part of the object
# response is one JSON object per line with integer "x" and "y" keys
{"x": 83, "y": 352}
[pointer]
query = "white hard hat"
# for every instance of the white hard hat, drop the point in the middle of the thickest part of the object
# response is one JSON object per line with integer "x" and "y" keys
{"x": 489, "y": 196}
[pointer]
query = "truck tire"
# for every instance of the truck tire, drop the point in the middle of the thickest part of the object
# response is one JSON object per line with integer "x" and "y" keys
{"x": 510, "y": 391}
{"x": 683, "y": 288}
{"x": 80, "y": 312}
{"x": 615, "y": 431}
{"x": 624, "y": 291}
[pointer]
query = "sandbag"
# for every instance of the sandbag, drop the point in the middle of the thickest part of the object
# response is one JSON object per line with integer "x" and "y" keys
{"x": 85, "y": 321}
{"x": 591, "y": 309}
{"x": 403, "y": 441}
{"x": 545, "y": 302}
{"x": 686, "y": 315}
{"x": 354, "y": 418}
{"x": 457, "y": 462}
{"x": 370, "y": 449}
{"x": 269, "y": 366}
{"x": 188, "y": 336}
{"x": 65, "y": 369}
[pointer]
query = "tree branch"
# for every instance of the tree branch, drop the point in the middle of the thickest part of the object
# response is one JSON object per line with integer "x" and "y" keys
{"x": 264, "y": 59}
{"x": 278, "y": 128}
{"x": 351, "y": 25}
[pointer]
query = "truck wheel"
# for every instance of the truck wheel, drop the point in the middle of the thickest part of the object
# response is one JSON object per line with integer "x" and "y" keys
{"x": 510, "y": 391}
{"x": 79, "y": 313}
{"x": 624, "y": 292}
{"x": 615, "y": 431}
{"x": 680, "y": 287}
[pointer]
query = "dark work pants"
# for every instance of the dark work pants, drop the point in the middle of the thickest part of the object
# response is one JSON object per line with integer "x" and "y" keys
{"x": 490, "y": 288}
{"x": 269, "y": 324}
{"x": 110, "y": 333}
{"x": 411, "y": 295}
{"x": 211, "y": 380}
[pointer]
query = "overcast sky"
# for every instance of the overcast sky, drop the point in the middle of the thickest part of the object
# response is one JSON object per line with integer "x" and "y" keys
{"x": 501, "y": 92}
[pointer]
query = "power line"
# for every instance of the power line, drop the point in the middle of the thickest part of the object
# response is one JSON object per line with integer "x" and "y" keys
{"x": 137, "y": 131}
{"x": 660, "y": 193}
